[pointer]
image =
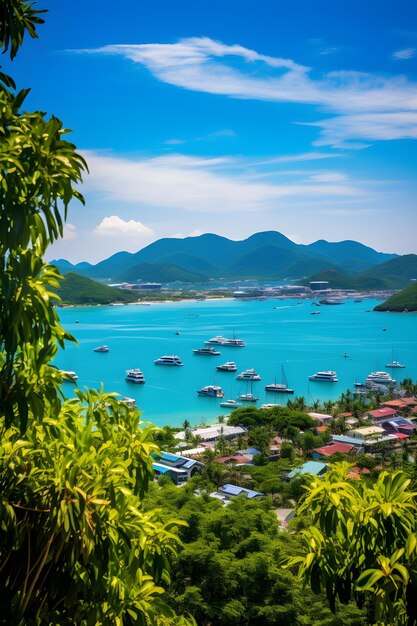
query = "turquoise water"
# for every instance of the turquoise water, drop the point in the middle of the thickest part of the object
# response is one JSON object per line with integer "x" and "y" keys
{"x": 276, "y": 333}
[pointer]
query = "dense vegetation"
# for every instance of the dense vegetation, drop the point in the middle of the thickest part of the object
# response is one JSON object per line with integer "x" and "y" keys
{"x": 405, "y": 300}
{"x": 76, "y": 289}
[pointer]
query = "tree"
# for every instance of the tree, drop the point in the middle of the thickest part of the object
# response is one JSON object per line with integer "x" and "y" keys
{"x": 76, "y": 545}
{"x": 363, "y": 545}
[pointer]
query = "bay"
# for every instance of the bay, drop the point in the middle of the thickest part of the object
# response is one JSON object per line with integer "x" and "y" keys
{"x": 276, "y": 333}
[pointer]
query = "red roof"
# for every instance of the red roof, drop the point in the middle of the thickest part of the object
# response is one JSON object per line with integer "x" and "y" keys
{"x": 321, "y": 429}
{"x": 237, "y": 459}
{"x": 361, "y": 470}
{"x": 384, "y": 412}
{"x": 334, "y": 447}
{"x": 345, "y": 414}
{"x": 402, "y": 436}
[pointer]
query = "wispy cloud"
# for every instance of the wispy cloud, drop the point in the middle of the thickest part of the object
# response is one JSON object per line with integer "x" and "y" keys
{"x": 70, "y": 232}
{"x": 198, "y": 184}
{"x": 202, "y": 64}
{"x": 405, "y": 53}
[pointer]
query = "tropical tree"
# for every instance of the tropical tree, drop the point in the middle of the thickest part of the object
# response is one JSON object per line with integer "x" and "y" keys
{"x": 363, "y": 545}
{"x": 76, "y": 546}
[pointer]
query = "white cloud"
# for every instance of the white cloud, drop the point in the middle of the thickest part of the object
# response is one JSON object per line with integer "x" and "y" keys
{"x": 70, "y": 232}
{"x": 328, "y": 177}
{"x": 194, "y": 233}
{"x": 405, "y": 53}
{"x": 115, "y": 226}
{"x": 201, "y": 64}
{"x": 194, "y": 184}
{"x": 174, "y": 142}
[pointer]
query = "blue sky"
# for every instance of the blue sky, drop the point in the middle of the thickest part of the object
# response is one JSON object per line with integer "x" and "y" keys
{"x": 233, "y": 116}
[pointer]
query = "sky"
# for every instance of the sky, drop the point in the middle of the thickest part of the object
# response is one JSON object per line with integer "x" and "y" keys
{"x": 232, "y": 117}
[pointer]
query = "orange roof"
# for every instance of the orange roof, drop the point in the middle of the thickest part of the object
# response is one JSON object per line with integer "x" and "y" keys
{"x": 345, "y": 414}
{"x": 321, "y": 429}
{"x": 333, "y": 448}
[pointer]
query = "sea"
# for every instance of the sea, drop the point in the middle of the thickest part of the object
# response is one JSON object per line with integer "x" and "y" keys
{"x": 281, "y": 336}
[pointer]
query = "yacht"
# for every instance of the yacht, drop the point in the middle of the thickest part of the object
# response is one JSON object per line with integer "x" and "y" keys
{"x": 248, "y": 375}
{"x": 102, "y": 349}
{"x": 234, "y": 343}
{"x": 394, "y": 364}
{"x": 331, "y": 301}
{"x": 134, "y": 376}
{"x": 324, "y": 377}
{"x": 169, "y": 360}
{"x": 69, "y": 376}
{"x": 130, "y": 402}
{"x": 216, "y": 341}
{"x": 278, "y": 388}
{"x": 206, "y": 352}
{"x": 213, "y": 391}
{"x": 247, "y": 397}
{"x": 229, "y": 366}
{"x": 381, "y": 378}
{"x": 230, "y": 404}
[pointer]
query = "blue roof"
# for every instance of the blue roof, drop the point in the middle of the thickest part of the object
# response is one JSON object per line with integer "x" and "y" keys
{"x": 167, "y": 456}
{"x": 251, "y": 451}
{"x": 162, "y": 469}
{"x": 311, "y": 467}
{"x": 234, "y": 490}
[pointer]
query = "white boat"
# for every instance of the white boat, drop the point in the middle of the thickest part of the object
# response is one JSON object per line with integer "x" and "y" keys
{"x": 216, "y": 341}
{"x": 168, "y": 360}
{"x": 247, "y": 397}
{"x": 135, "y": 376}
{"x": 280, "y": 387}
{"x": 394, "y": 364}
{"x": 328, "y": 376}
{"x": 69, "y": 376}
{"x": 230, "y": 404}
{"x": 345, "y": 355}
{"x": 130, "y": 402}
{"x": 248, "y": 375}
{"x": 102, "y": 349}
{"x": 206, "y": 352}
{"x": 213, "y": 391}
{"x": 381, "y": 378}
{"x": 229, "y": 366}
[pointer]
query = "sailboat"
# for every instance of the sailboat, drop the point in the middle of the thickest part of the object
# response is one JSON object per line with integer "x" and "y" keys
{"x": 394, "y": 364}
{"x": 248, "y": 397}
{"x": 280, "y": 387}
{"x": 230, "y": 404}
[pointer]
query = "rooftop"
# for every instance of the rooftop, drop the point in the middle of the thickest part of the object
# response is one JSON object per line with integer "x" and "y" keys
{"x": 334, "y": 447}
{"x": 316, "y": 468}
{"x": 384, "y": 412}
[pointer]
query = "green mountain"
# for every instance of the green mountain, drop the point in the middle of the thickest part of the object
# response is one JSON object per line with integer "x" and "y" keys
{"x": 393, "y": 274}
{"x": 76, "y": 289}
{"x": 161, "y": 273}
{"x": 405, "y": 300}
{"x": 264, "y": 255}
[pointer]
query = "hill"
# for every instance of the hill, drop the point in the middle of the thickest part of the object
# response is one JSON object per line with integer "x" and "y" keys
{"x": 77, "y": 289}
{"x": 395, "y": 273}
{"x": 405, "y": 300}
{"x": 264, "y": 255}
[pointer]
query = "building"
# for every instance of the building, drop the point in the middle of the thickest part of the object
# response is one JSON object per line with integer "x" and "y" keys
{"x": 384, "y": 414}
{"x": 231, "y": 491}
{"x": 332, "y": 448}
{"x": 214, "y": 432}
{"x": 315, "y": 468}
{"x": 319, "y": 285}
{"x": 178, "y": 468}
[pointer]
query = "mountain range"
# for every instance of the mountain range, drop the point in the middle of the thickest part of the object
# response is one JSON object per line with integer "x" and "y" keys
{"x": 266, "y": 256}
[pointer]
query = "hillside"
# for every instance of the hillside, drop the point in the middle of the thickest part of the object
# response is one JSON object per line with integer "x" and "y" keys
{"x": 395, "y": 273}
{"x": 405, "y": 300}
{"x": 161, "y": 273}
{"x": 264, "y": 255}
{"x": 77, "y": 289}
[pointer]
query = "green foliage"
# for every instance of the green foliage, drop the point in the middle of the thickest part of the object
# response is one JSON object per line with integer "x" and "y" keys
{"x": 405, "y": 300}
{"x": 17, "y": 18}
{"x": 364, "y": 544}
{"x": 76, "y": 289}
{"x": 278, "y": 418}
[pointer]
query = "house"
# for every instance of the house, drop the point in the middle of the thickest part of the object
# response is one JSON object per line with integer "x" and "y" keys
{"x": 332, "y": 448}
{"x": 230, "y": 491}
{"x": 284, "y": 515}
{"x": 402, "y": 404}
{"x": 214, "y": 432}
{"x": 320, "y": 417}
{"x": 235, "y": 459}
{"x": 311, "y": 467}
{"x": 178, "y": 468}
{"x": 381, "y": 415}
{"x": 399, "y": 426}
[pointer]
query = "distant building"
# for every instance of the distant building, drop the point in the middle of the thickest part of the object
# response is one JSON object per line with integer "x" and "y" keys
{"x": 231, "y": 491}
{"x": 315, "y": 468}
{"x": 147, "y": 286}
{"x": 319, "y": 285}
{"x": 214, "y": 432}
{"x": 379, "y": 416}
{"x": 178, "y": 468}
{"x": 332, "y": 448}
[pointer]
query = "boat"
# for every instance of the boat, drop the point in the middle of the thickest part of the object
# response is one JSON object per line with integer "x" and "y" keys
{"x": 168, "y": 360}
{"x": 381, "y": 378}
{"x": 328, "y": 376}
{"x": 230, "y": 404}
{"x": 247, "y": 397}
{"x": 345, "y": 355}
{"x": 69, "y": 376}
{"x": 216, "y": 341}
{"x": 395, "y": 364}
{"x": 280, "y": 387}
{"x": 315, "y": 313}
{"x": 229, "y": 366}
{"x": 212, "y": 391}
{"x": 206, "y": 352}
{"x": 248, "y": 375}
{"x": 130, "y": 402}
{"x": 102, "y": 349}
{"x": 331, "y": 301}
{"x": 134, "y": 376}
